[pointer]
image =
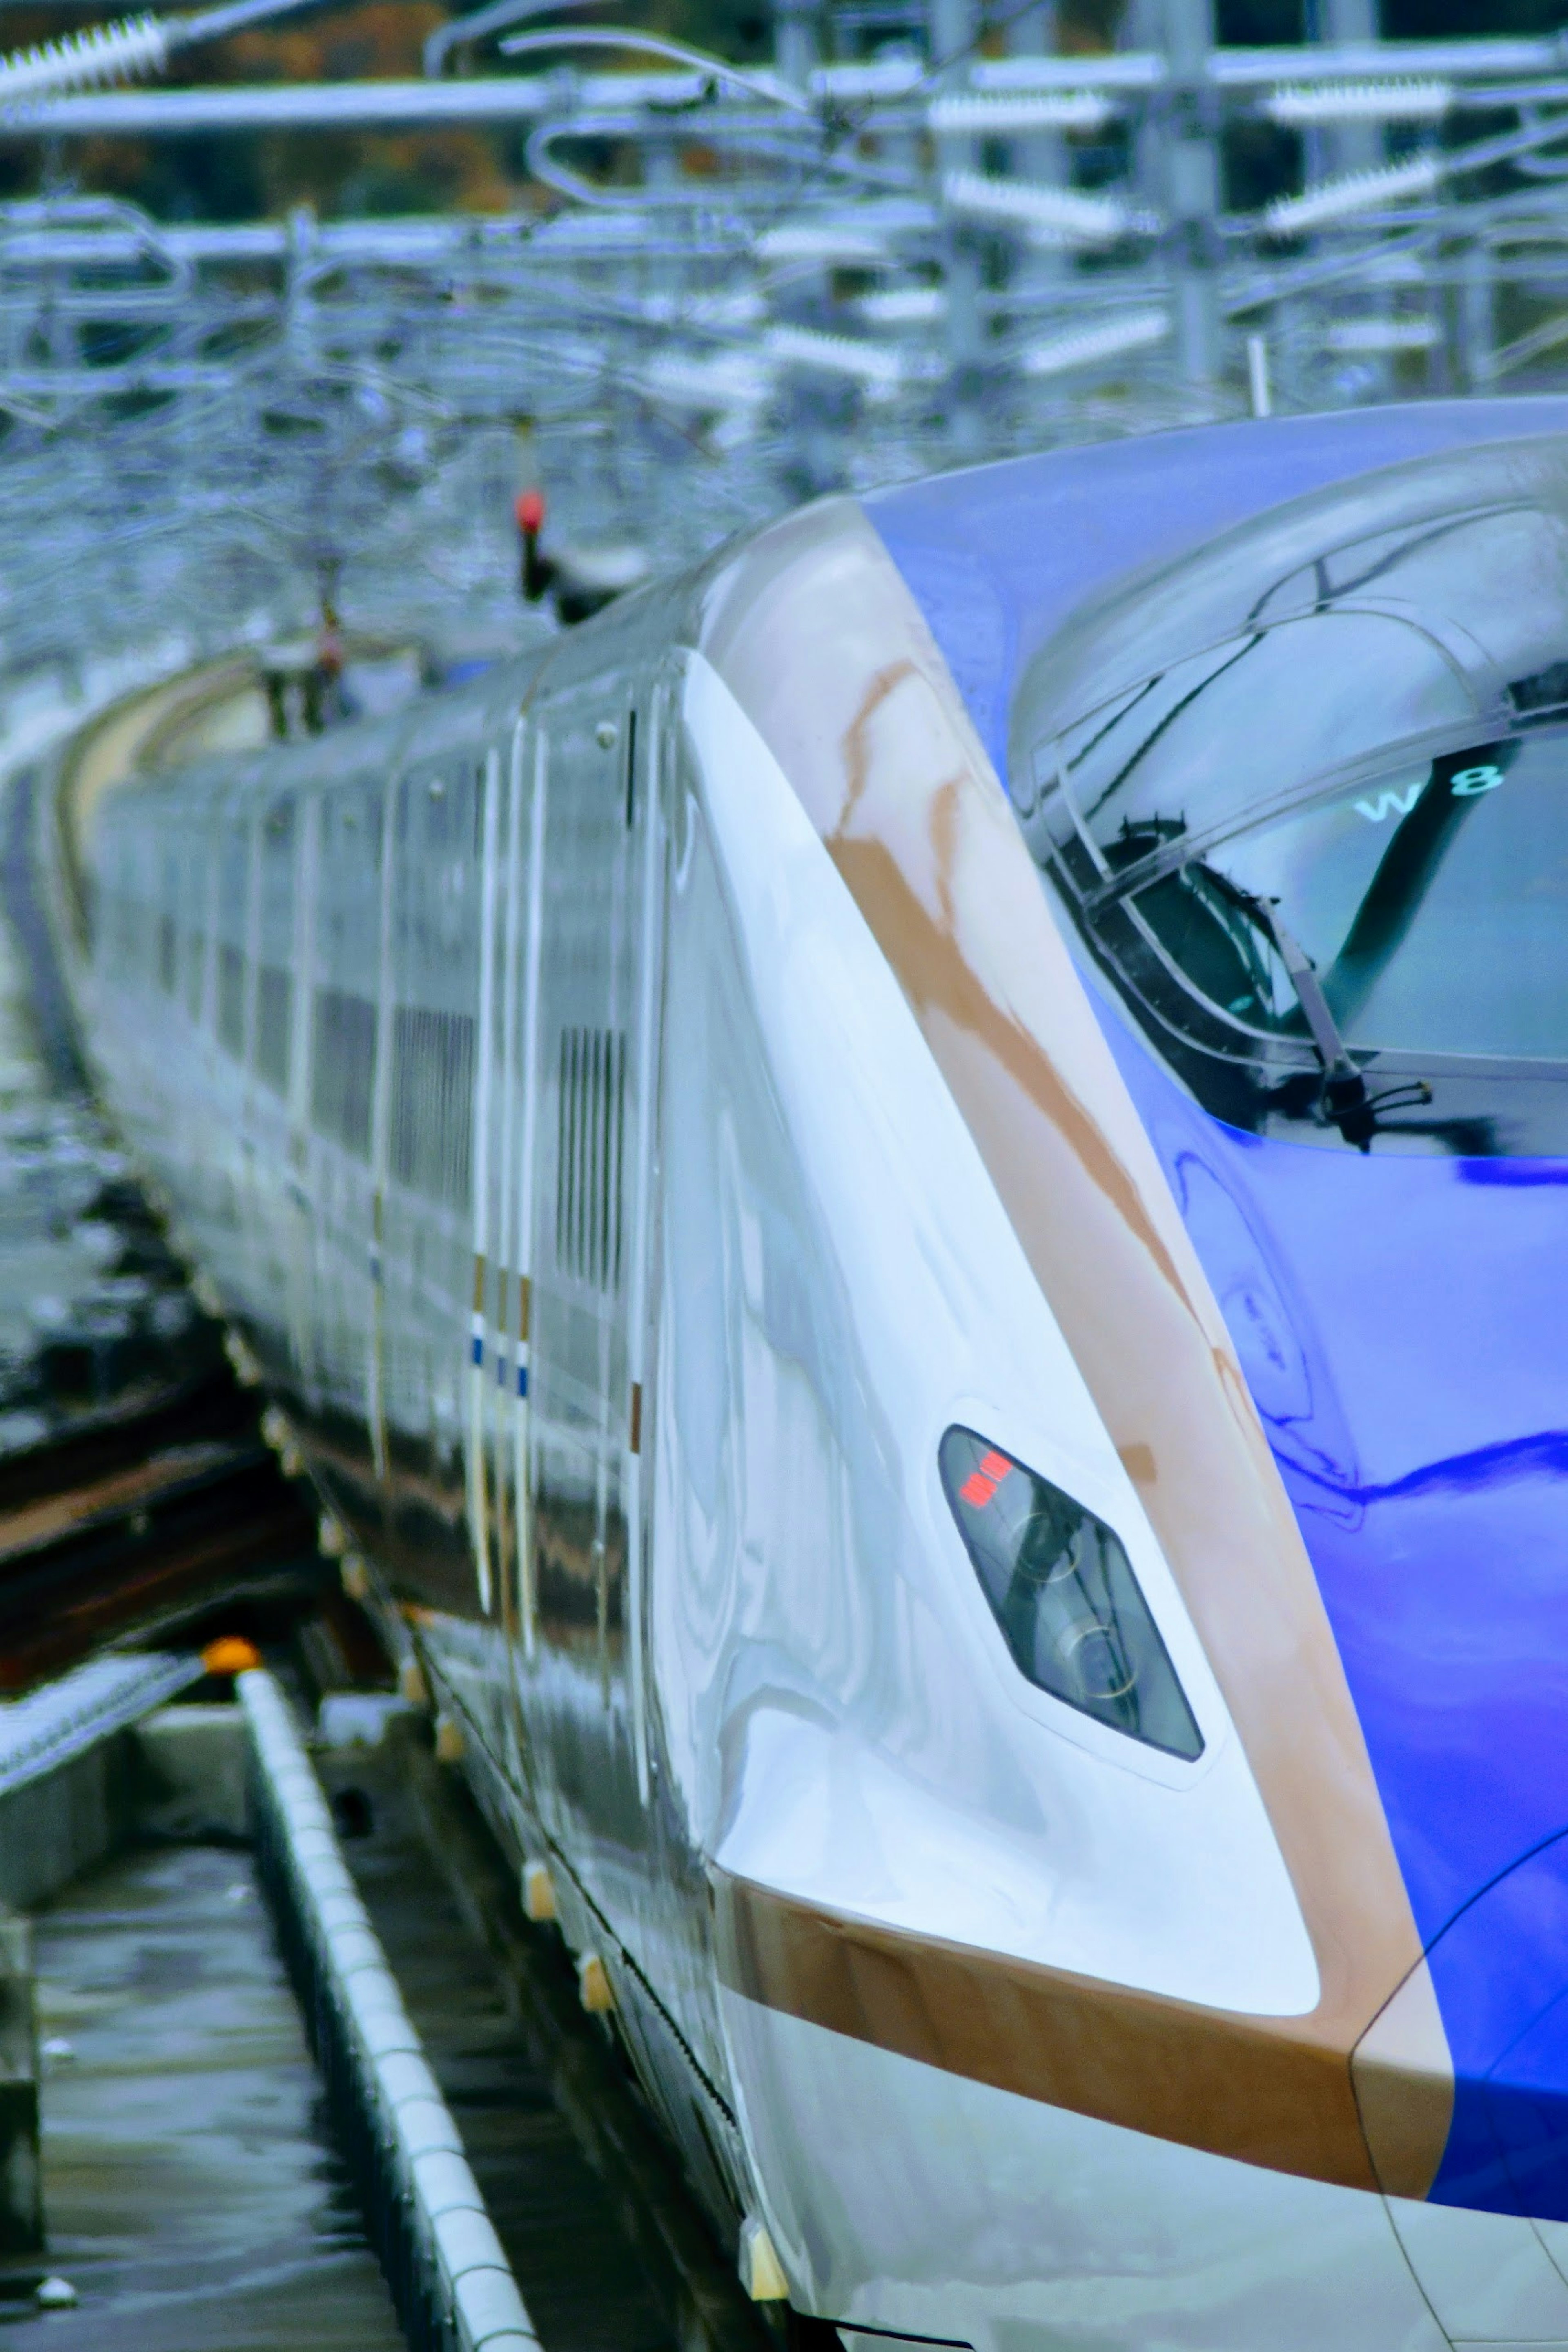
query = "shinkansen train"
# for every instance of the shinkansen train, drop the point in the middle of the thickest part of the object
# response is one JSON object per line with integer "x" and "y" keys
{"x": 910, "y": 1199}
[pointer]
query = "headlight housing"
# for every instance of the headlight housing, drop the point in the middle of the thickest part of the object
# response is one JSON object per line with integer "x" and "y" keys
{"x": 1062, "y": 1591}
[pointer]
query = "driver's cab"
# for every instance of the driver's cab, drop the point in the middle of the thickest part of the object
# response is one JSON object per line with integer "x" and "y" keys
{"x": 1329, "y": 831}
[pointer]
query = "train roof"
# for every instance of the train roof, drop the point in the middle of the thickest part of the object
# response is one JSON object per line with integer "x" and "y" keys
{"x": 1004, "y": 559}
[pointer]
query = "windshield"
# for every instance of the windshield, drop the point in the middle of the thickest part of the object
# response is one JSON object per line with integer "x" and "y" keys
{"x": 1433, "y": 904}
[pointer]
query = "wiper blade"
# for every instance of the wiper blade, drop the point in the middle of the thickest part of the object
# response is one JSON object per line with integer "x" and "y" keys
{"x": 1346, "y": 1098}
{"x": 1303, "y": 974}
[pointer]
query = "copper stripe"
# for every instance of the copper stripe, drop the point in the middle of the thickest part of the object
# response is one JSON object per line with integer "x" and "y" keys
{"x": 1204, "y": 2077}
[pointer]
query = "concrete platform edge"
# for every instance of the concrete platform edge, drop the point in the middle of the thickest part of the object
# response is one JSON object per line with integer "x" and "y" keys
{"x": 445, "y": 2264}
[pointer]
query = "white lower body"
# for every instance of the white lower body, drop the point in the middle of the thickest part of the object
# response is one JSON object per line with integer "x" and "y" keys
{"x": 914, "y": 2202}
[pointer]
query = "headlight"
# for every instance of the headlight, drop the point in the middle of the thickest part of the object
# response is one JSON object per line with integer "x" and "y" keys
{"x": 1062, "y": 1591}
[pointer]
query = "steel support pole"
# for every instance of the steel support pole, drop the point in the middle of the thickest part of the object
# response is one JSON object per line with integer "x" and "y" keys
{"x": 1042, "y": 155}
{"x": 1190, "y": 126}
{"x": 1477, "y": 317}
{"x": 1354, "y": 147}
{"x": 797, "y": 43}
{"x": 954, "y": 28}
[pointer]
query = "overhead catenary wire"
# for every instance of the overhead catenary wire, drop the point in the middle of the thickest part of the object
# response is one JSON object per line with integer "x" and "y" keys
{"x": 764, "y": 85}
{"x": 462, "y": 32}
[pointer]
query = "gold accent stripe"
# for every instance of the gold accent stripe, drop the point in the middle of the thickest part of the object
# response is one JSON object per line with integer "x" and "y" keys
{"x": 1206, "y": 2078}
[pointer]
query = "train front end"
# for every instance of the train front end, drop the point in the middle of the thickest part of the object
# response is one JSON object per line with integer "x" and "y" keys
{"x": 1138, "y": 1830}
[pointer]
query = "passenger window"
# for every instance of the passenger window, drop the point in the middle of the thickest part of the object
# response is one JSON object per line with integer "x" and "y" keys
{"x": 348, "y": 919}
{"x": 342, "y": 1068}
{"x": 275, "y": 982}
{"x": 435, "y": 972}
{"x": 433, "y": 1090}
{"x": 589, "y": 1143}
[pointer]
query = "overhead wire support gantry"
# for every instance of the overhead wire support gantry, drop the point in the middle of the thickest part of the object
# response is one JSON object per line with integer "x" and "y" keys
{"x": 894, "y": 256}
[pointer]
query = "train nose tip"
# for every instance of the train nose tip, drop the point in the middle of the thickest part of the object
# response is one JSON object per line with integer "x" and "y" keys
{"x": 1501, "y": 1973}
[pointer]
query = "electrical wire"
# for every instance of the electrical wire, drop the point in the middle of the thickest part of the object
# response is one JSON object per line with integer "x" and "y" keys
{"x": 653, "y": 45}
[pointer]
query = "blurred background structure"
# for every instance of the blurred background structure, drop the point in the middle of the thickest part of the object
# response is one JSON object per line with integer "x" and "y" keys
{"x": 294, "y": 303}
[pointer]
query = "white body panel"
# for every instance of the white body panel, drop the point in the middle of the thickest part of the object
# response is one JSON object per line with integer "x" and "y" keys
{"x": 1055, "y": 2229}
{"x": 1487, "y": 2277}
{"x": 841, "y": 1716}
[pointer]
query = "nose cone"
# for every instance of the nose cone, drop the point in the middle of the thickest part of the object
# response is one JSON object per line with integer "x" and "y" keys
{"x": 1402, "y": 1323}
{"x": 1501, "y": 1971}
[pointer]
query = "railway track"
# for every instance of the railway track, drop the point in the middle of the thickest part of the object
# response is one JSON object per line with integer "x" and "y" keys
{"x": 189, "y": 1519}
{"x": 135, "y": 1488}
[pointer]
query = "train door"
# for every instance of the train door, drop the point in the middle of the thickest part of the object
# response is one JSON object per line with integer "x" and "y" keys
{"x": 504, "y": 1123}
{"x": 595, "y": 1046}
{"x": 238, "y": 909}
{"x": 301, "y": 1206}
{"x": 335, "y": 1103}
{"x": 284, "y": 1239}
{"x": 423, "y": 1165}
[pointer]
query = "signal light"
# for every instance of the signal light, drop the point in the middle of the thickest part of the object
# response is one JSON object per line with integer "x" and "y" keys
{"x": 230, "y": 1654}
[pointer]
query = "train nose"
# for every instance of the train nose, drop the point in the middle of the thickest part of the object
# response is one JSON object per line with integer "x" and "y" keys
{"x": 1501, "y": 1973}
{"x": 1489, "y": 2246}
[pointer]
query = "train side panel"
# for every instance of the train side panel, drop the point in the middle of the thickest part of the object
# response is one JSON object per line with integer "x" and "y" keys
{"x": 400, "y": 1098}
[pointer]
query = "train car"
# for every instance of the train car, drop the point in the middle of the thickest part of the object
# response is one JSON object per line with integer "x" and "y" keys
{"x": 904, "y": 1198}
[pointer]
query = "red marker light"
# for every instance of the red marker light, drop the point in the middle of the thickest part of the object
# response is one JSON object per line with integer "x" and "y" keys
{"x": 982, "y": 1483}
{"x": 530, "y": 511}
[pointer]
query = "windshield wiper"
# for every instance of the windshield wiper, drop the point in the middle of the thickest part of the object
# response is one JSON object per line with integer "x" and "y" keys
{"x": 1345, "y": 1099}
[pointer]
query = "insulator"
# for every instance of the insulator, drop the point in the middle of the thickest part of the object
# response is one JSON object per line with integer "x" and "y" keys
{"x": 1361, "y": 101}
{"x": 1083, "y": 347}
{"x": 845, "y": 244}
{"x": 718, "y": 380}
{"x": 103, "y": 53}
{"x": 988, "y": 118}
{"x": 872, "y": 363}
{"x": 1356, "y": 192}
{"x": 1035, "y": 206}
{"x": 1380, "y": 335}
{"x": 904, "y": 306}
